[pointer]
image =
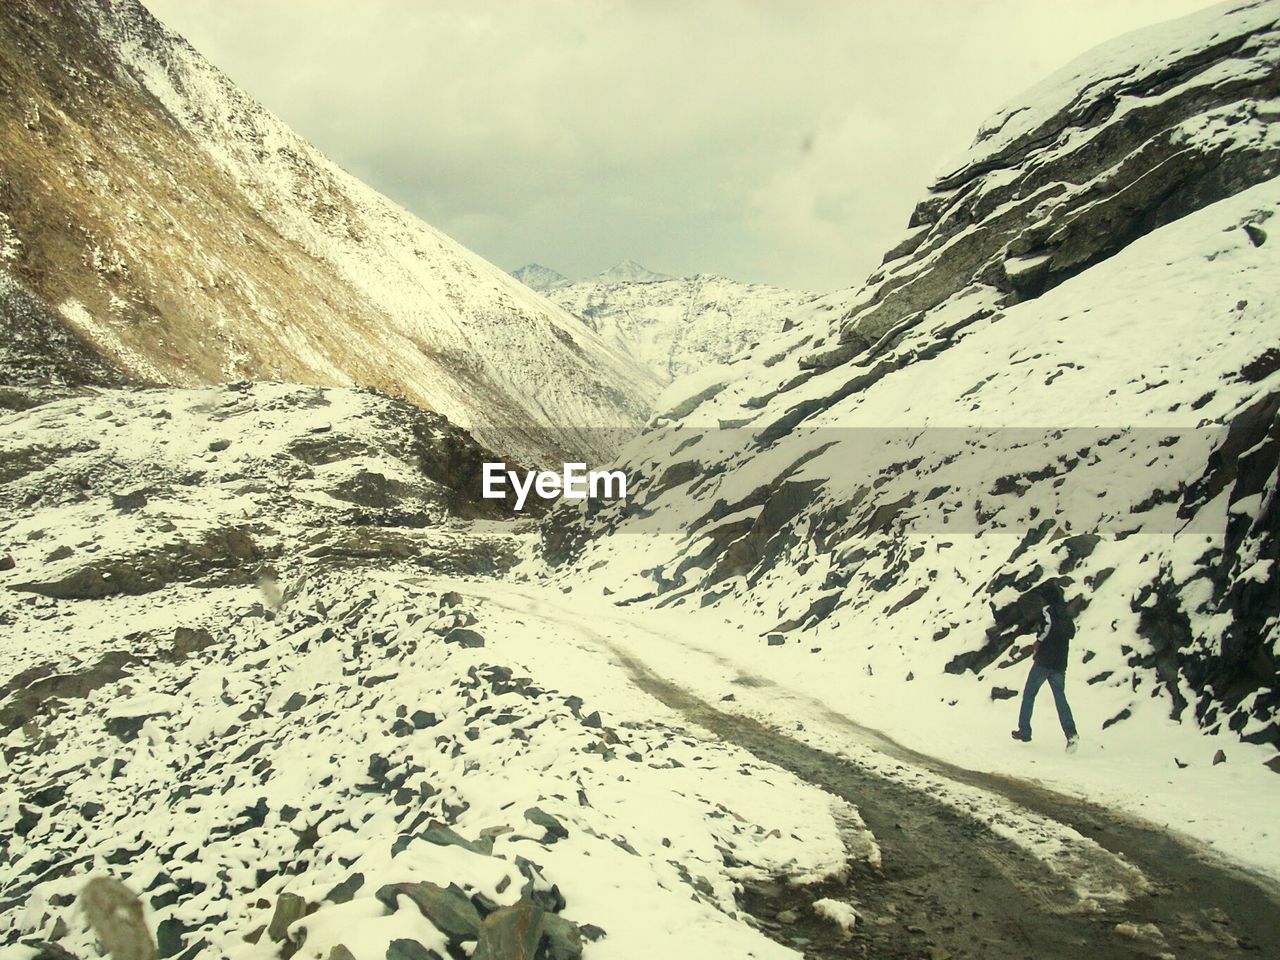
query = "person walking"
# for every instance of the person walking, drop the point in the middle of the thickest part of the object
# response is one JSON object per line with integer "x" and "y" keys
{"x": 1049, "y": 664}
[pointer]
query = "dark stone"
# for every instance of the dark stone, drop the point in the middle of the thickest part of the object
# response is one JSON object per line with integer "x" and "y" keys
{"x": 409, "y": 950}
{"x": 344, "y": 891}
{"x": 188, "y": 640}
{"x": 129, "y": 502}
{"x": 1124, "y": 714}
{"x": 449, "y": 909}
{"x": 555, "y": 830}
{"x": 465, "y": 637}
{"x": 170, "y": 935}
{"x": 1003, "y": 693}
{"x": 126, "y": 728}
{"x": 563, "y": 938}
{"x": 512, "y": 933}
{"x": 289, "y": 909}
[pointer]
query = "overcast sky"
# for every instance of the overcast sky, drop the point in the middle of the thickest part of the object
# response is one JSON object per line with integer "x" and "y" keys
{"x": 783, "y": 142}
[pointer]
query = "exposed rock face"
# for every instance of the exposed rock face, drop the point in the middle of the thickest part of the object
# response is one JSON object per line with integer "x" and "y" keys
{"x": 157, "y": 224}
{"x": 1065, "y": 373}
{"x": 1114, "y": 146}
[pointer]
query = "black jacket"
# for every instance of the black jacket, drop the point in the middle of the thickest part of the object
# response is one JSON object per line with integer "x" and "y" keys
{"x": 1055, "y": 639}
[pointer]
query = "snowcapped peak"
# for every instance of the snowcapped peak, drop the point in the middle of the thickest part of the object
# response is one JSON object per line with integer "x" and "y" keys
{"x": 541, "y": 278}
{"x": 628, "y": 271}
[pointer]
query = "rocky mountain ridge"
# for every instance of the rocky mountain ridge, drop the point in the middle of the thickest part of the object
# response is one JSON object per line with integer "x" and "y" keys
{"x": 169, "y": 226}
{"x": 674, "y": 326}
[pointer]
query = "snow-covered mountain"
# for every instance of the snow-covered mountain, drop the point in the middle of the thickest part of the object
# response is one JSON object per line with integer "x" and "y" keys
{"x": 540, "y": 278}
{"x": 161, "y": 220}
{"x": 629, "y": 271}
{"x": 1067, "y": 370}
{"x": 675, "y": 326}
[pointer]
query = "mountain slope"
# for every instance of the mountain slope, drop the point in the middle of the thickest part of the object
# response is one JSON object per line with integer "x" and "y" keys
{"x": 540, "y": 278}
{"x": 188, "y": 236}
{"x": 677, "y": 325}
{"x": 1067, "y": 371}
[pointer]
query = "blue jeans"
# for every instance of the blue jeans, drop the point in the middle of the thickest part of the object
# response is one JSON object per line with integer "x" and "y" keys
{"x": 1057, "y": 683}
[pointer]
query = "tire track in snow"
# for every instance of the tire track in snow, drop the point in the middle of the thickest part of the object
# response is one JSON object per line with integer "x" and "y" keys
{"x": 962, "y": 873}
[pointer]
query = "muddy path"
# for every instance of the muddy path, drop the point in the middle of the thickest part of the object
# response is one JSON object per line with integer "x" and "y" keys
{"x": 949, "y": 887}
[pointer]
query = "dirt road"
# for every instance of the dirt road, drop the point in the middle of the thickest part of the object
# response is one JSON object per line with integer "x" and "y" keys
{"x": 950, "y": 887}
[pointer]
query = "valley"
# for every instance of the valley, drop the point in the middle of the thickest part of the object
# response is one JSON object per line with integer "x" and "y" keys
{"x": 311, "y": 647}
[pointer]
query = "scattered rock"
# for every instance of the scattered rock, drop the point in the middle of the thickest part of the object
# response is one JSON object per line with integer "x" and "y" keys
{"x": 1219, "y": 757}
{"x": 1003, "y": 693}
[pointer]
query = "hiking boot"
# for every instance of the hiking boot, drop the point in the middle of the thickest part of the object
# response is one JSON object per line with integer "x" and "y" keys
{"x": 1073, "y": 741}
{"x": 1019, "y": 735}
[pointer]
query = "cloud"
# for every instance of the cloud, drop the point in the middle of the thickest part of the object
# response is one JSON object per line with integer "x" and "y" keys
{"x": 776, "y": 142}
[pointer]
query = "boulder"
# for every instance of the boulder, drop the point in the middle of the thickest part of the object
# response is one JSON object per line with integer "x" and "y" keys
{"x": 511, "y": 933}
{"x": 448, "y": 908}
{"x": 464, "y": 637}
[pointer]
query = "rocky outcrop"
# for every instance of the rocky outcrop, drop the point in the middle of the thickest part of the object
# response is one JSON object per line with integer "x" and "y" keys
{"x": 221, "y": 556}
{"x": 1116, "y": 145}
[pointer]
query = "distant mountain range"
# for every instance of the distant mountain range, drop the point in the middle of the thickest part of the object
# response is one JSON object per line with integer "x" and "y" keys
{"x": 673, "y": 326}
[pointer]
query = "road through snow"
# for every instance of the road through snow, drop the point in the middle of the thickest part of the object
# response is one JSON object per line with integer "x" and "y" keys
{"x": 973, "y": 864}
